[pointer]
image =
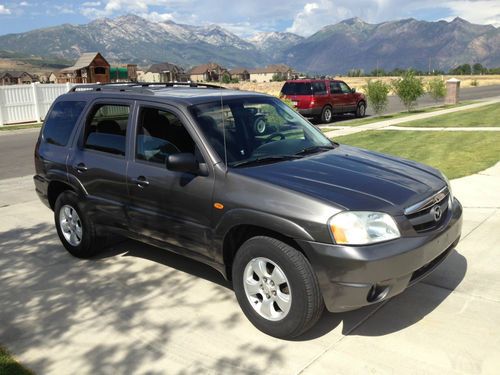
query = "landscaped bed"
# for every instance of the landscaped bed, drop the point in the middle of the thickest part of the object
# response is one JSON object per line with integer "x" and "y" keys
{"x": 457, "y": 154}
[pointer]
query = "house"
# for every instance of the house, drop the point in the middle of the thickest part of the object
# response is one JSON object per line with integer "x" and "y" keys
{"x": 16, "y": 78}
{"x": 271, "y": 72}
{"x": 207, "y": 73}
{"x": 91, "y": 67}
{"x": 241, "y": 74}
{"x": 169, "y": 72}
{"x": 148, "y": 77}
{"x": 123, "y": 73}
{"x": 52, "y": 78}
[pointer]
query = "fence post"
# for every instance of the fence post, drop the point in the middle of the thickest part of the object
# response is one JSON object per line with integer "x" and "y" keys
{"x": 35, "y": 100}
{"x": 68, "y": 86}
{"x": 1, "y": 107}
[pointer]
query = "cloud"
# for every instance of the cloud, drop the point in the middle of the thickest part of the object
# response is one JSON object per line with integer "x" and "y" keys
{"x": 24, "y": 4}
{"x": 482, "y": 11}
{"x": 4, "y": 10}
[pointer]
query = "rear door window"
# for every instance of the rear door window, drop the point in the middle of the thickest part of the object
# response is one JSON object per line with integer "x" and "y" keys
{"x": 61, "y": 121}
{"x": 335, "y": 88}
{"x": 319, "y": 88}
{"x": 297, "y": 88}
{"x": 107, "y": 128}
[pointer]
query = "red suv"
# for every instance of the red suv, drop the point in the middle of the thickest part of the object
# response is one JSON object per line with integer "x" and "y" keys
{"x": 321, "y": 98}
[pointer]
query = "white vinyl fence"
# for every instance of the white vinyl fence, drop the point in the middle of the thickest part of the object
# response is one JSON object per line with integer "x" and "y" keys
{"x": 28, "y": 103}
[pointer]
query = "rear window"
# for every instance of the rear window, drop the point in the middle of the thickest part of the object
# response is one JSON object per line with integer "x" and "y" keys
{"x": 61, "y": 121}
{"x": 297, "y": 88}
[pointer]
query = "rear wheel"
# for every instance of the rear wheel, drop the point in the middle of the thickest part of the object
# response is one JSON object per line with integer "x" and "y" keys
{"x": 361, "y": 109}
{"x": 276, "y": 287}
{"x": 326, "y": 115}
{"x": 76, "y": 231}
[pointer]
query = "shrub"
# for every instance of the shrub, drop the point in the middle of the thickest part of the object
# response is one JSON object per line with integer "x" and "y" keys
{"x": 436, "y": 89}
{"x": 408, "y": 88}
{"x": 474, "y": 83}
{"x": 226, "y": 78}
{"x": 289, "y": 103}
{"x": 377, "y": 92}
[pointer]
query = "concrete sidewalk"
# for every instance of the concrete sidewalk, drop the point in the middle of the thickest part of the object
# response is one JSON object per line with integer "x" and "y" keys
{"x": 386, "y": 123}
{"x": 137, "y": 309}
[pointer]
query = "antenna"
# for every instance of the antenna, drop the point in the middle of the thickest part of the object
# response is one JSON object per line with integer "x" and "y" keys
{"x": 223, "y": 129}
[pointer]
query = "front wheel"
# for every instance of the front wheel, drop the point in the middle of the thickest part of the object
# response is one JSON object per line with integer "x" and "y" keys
{"x": 361, "y": 110}
{"x": 276, "y": 287}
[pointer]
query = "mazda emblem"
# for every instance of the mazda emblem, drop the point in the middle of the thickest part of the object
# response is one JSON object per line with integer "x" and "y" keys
{"x": 436, "y": 212}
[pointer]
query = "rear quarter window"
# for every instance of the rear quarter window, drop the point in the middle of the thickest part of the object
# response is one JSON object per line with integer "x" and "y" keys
{"x": 61, "y": 121}
{"x": 297, "y": 88}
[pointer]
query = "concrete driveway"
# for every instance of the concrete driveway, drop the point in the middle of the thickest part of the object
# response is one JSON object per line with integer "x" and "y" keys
{"x": 137, "y": 309}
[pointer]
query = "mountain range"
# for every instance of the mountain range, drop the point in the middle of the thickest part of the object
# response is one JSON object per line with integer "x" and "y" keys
{"x": 336, "y": 48}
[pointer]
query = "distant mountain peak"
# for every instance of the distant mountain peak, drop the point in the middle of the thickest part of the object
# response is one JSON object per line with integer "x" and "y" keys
{"x": 353, "y": 21}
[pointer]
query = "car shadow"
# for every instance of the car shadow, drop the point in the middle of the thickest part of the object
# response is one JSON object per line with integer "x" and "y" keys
{"x": 451, "y": 273}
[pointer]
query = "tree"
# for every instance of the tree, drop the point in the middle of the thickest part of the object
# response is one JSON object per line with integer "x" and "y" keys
{"x": 226, "y": 78}
{"x": 377, "y": 92}
{"x": 436, "y": 89}
{"x": 478, "y": 68}
{"x": 408, "y": 88}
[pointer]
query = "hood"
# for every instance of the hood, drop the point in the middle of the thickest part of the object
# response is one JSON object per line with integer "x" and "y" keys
{"x": 353, "y": 179}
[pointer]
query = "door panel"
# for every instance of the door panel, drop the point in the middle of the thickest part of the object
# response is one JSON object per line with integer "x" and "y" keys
{"x": 169, "y": 206}
{"x": 98, "y": 162}
{"x": 349, "y": 98}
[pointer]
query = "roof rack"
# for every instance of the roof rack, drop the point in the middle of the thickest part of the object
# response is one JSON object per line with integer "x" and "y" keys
{"x": 139, "y": 86}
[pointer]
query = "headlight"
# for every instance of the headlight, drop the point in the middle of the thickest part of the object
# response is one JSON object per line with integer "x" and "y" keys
{"x": 361, "y": 228}
{"x": 450, "y": 202}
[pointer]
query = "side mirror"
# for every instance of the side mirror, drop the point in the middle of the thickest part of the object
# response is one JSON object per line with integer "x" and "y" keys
{"x": 353, "y": 90}
{"x": 183, "y": 162}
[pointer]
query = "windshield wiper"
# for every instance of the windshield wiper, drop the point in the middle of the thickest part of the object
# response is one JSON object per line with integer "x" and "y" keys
{"x": 315, "y": 149}
{"x": 265, "y": 159}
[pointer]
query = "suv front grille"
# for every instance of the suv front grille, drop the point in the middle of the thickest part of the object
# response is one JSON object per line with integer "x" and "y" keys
{"x": 429, "y": 214}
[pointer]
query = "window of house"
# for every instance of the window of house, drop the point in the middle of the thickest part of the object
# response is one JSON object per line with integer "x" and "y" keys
{"x": 99, "y": 70}
{"x": 159, "y": 134}
{"x": 107, "y": 128}
{"x": 61, "y": 121}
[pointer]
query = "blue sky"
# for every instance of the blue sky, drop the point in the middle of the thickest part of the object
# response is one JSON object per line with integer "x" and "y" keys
{"x": 243, "y": 17}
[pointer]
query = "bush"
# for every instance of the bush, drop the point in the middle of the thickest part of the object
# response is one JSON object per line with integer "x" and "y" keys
{"x": 436, "y": 89}
{"x": 377, "y": 92}
{"x": 289, "y": 103}
{"x": 408, "y": 88}
{"x": 226, "y": 78}
{"x": 474, "y": 83}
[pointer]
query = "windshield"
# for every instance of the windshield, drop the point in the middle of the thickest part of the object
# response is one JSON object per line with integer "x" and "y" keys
{"x": 260, "y": 128}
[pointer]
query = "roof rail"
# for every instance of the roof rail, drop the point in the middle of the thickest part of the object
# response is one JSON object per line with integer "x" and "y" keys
{"x": 138, "y": 86}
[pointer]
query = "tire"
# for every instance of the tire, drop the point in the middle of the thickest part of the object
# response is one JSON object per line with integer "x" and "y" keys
{"x": 300, "y": 301}
{"x": 361, "y": 109}
{"x": 76, "y": 231}
{"x": 326, "y": 115}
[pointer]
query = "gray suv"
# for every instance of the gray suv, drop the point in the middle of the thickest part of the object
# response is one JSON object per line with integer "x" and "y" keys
{"x": 296, "y": 222}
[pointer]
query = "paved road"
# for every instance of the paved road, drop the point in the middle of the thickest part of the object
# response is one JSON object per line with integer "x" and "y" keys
{"x": 16, "y": 153}
{"x": 16, "y": 149}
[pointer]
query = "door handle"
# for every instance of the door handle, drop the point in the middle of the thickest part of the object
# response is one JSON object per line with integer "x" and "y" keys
{"x": 141, "y": 181}
{"x": 80, "y": 168}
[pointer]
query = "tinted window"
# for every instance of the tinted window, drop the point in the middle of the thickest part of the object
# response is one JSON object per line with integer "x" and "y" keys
{"x": 107, "y": 128}
{"x": 335, "y": 88}
{"x": 319, "y": 88}
{"x": 159, "y": 134}
{"x": 61, "y": 121}
{"x": 297, "y": 88}
{"x": 345, "y": 89}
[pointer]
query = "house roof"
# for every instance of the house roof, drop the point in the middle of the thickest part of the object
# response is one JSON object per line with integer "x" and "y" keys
{"x": 239, "y": 71}
{"x": 165, "y": 67}
{"x": 201, "y": 69}
{"x": 14, "y": 74}
{"x": 275, "y": 68}
{"x": 84, "y": 61}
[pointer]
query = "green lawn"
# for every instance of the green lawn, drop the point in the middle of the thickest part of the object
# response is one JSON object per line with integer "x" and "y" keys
{"x": 9, "y": 366}
{"x": 457, "y": 154}
{"x": 483, "y": 116}
{"x": 18, "y": 127}
{"x": 371, "y": 119}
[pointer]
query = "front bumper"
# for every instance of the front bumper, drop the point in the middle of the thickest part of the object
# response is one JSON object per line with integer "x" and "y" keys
{"x": 351, "y": 277}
